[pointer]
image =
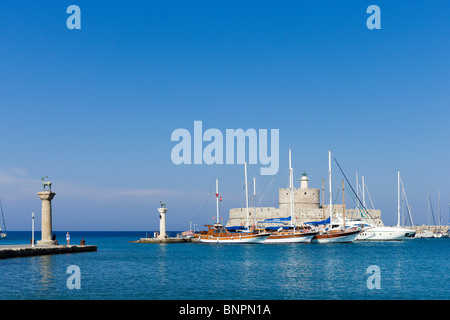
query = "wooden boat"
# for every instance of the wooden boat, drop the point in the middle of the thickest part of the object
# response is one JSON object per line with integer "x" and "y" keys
{"x": 297, "y": 235}
{"x": 337, "y": 235}
{"x": 218, "y": 234}
{"x": 291, "y": 234}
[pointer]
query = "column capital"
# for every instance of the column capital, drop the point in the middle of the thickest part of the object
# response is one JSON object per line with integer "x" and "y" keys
{"x": 162, "y": 210}
{"x": 46, "y": 195}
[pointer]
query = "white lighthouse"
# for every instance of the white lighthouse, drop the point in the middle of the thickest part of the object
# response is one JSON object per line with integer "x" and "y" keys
{"x": 162, "y": 221}
{"x": 304, "y": 181}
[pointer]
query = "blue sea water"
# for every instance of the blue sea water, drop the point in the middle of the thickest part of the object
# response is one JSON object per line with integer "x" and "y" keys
{"x": 409, "y": 269}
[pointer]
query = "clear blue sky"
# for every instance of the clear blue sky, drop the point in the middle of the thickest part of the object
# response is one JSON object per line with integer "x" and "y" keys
{"x": 94, "y": 108}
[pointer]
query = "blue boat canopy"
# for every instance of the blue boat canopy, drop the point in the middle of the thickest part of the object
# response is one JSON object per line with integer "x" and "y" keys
{"x": 317, "y": 223}
{"x": 276, "y": 220}
{"x": 277, "y": 227}
{"x": 235, "y": 228}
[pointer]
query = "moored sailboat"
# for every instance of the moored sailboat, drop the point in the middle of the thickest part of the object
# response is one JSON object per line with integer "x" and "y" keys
{"x": 372, "y": 232}
{"x": 217, "y": 233}
{"x": 429, "y": 233}
{"x": 439, "y": 233}
{"x": 339, "y": 234}
{"x": 293, "y": 234}
{"x": 425, "y": 234}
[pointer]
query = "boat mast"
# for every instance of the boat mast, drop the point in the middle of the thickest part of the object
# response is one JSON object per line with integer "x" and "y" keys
{"x": 428, "y": 210}
{"x": 291, "y": 187}
{"x": 246, "y": 194}
{"x": 343, "y": 203}
{"x": 363, "y": 192}
{"x": 439, "y": 208}
{"x": 329, "y": 182}
{"x": 398, "y": 199}
{"x": 323, "y": 199}
{"x": 254, "y": 200}
{"x": 217, "y": 199}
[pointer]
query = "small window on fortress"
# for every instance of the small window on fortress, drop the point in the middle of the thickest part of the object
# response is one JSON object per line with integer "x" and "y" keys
{"x": 305, "y": 192}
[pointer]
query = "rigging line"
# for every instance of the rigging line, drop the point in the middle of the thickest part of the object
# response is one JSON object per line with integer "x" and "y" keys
{"x": 431, "y": 206}
{"x": 278, "y": 178}
{"x": 337, "y": 194}
{"x": 357, "y": 206}
{"x": 352, "y": 188}
{"x": 407, "y": 203}
{"x": 359, "y": 189}
{"x": 204, "y": 201}
{"x": 268, "y": 187}
{"x": 408, "y": 217}
{"x": 3, "y": 216}
{"x": 370, "y": 198}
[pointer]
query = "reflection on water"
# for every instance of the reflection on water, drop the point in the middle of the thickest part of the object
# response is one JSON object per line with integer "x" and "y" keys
{"x": 295, "y": 270}
{"x": 46, "y": 272}
{"x": 161, "y": 262}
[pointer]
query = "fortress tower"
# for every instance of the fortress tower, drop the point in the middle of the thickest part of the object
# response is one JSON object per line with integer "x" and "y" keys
{"x": 304, "y": 197}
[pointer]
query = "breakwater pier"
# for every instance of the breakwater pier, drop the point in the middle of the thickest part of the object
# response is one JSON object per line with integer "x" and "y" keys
{"x": 165, "y": 240}
{"x": 48, "y": 245}
{"x": 26, "y": 250}
{"x": 162, "y": 236}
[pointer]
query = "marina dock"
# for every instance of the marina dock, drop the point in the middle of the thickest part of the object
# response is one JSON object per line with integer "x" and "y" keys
{"x": 161, "y": 236}
{"x": 166, "y": 240}
{"x": 26, "y": 250}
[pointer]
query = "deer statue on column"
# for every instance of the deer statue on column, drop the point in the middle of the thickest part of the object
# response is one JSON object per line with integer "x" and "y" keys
{"x": 46, "y": 184}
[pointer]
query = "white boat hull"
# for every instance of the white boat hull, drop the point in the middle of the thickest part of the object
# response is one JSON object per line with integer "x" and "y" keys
{"x": 425, "y": 235}
{"x": 385, "y": 234}
{"x": 235, "y": 239}
{"x": 287, "y": 239}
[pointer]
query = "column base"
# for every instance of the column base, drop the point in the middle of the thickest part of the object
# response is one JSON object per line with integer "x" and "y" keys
{"x": 46, "y": 242}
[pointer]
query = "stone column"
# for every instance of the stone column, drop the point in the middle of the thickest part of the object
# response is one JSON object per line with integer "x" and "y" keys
{"x": 46, "y": 227}
{"x": 162, "y": 222}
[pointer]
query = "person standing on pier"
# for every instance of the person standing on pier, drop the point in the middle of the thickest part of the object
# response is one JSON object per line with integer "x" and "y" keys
{"x": 68, "y": 238}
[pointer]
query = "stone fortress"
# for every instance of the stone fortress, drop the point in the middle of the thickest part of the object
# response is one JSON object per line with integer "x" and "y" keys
{"x": 307, "y": 208}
